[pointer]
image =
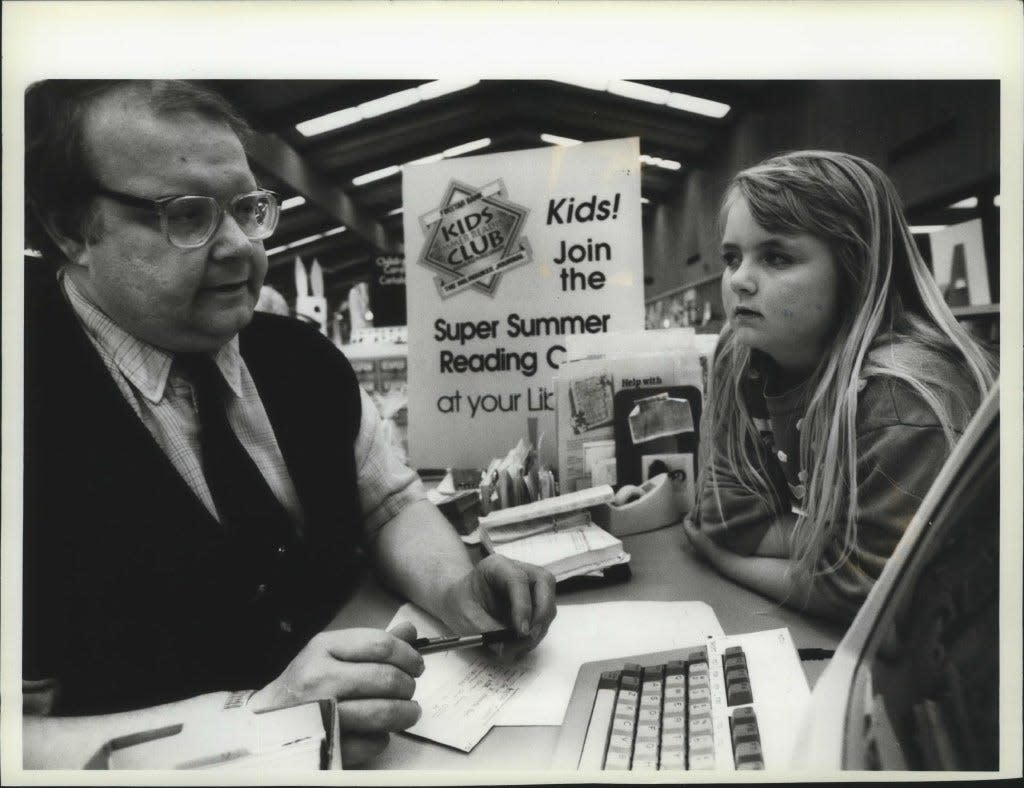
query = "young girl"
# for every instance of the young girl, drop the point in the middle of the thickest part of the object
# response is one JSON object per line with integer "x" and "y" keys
{"x": 840, "y": 383}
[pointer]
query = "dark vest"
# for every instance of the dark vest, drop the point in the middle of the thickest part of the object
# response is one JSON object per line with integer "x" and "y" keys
{"x": 134, "y": 594}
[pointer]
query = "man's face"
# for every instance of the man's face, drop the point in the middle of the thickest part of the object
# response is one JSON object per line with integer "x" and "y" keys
{"x": 182, "y": 300}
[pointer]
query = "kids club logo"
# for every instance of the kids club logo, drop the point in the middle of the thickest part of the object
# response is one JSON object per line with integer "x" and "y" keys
{"x": 473, "y": 238}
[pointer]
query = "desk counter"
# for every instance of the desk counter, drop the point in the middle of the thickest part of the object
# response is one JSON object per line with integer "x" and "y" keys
{"x": 663, "y": 569}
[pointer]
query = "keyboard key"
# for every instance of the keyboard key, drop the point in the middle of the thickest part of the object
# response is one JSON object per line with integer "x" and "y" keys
{"x": 670, "y": 739}
{"x": 744, "y": 732}
{"x": 623, "y": 726}
{"x": 733, "y": 651}
{"x": 698, "y": 667}
{"x": 748, "y": 765}
{"x": 650, "y": 715}
{"x": 645, "y": 765}
{"x": 673, "y": 722}
{"x": 674, "y": 760}
{"x": 697, "y": 655}
{"x": 701, "y": 693}
{"x": 744, "y": 714}
{"x": 647, "y": 750}
{"x": 675, "y": 707}
{"x": 734, "y": 662}
{"x": 648, "y": 700}
{"x": 648, "y": 729}
{"x": 628, "y": 695}
{"x": 702, "y": 742}
{"x": 700, "y": 725}
{"x": 620, "y": 741}
{"x": 748, "y": 752}
{"x": 736, "y": 674}
{"x": 739, "y": 692}
{"x": 703, "y": 761}
{"x": 674, "y": 693}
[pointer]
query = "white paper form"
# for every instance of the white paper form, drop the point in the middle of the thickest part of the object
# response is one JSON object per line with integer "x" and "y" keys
{"x": 579, "y": 633}
{"x": 460, "y": 691}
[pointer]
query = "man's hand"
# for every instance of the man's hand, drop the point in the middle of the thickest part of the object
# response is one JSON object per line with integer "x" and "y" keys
{"x": 370, "y": 672}
{"x": 499, "y": 592}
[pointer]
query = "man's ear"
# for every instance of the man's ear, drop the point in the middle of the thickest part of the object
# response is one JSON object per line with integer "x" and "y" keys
{"x": 69, "y": 240}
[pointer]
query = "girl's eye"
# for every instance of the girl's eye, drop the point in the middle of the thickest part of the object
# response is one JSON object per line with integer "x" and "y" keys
{"x": 730, "y": 259}
{"x": 777, "y": 259}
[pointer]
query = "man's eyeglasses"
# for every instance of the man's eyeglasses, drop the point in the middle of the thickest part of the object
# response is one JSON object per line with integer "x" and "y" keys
{"x": 190, "y": 220}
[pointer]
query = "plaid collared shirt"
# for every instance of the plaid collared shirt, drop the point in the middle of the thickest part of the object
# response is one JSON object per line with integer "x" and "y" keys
{"x": 163, "y": 399}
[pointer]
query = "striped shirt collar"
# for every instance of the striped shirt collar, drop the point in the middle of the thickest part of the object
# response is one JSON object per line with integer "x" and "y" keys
{"x": 144, "y": 366}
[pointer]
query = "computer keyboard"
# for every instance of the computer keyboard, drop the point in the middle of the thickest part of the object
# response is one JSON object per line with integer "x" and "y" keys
{"x": 726, "y": 704}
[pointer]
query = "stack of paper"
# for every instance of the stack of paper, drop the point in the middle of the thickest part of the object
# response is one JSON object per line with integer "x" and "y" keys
{"x": 556, "y": 533}
{"x": 233, "y": 738}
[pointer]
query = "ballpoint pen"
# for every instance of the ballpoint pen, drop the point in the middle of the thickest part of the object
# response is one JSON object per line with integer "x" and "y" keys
{"x": 431, "y": 645}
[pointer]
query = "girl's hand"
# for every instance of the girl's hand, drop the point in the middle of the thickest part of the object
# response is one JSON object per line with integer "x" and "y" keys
{"x": 703, "y": 545}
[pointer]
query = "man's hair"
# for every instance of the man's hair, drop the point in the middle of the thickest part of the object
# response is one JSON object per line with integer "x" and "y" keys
{"x": 59, "y": 183}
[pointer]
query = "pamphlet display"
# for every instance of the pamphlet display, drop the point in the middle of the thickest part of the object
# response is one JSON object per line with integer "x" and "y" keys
{"x": 507, "y": 255}
{"x": 587, "y": 393}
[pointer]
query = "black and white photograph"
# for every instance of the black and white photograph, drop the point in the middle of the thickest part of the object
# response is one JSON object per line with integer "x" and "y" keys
{"x": 300, "y": 299}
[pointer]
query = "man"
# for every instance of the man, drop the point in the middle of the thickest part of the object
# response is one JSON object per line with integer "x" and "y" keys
{"x": 156, "y": 569}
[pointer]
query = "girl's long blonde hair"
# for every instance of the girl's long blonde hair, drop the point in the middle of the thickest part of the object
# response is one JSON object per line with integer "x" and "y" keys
{"x": 890, "y": 306}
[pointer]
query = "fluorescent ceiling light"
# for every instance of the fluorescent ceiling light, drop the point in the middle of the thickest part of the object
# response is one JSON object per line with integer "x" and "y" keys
{"x": 644, "y": 201}
{"x": 970, "y": 202}
{"x": 635, "y": 90}
{"x": 33, "y": 253}
{"x": 293, "y": 202}
{"x": 995, "y": 201}
{"x": 329, "y": 122}
{"x": 376, "y": 175}
{"x": 458, "y": 150}
{"x": 442, "y": 87}
{"x": 667, "y": 164}
{"x": 380, "y": 106}
{"x": 924, "y": 229}
{"x": 699, "y": 106}
{"x": 641, "y": 92}
{"x": 554, "y": 139}
{"x": 390, "y": 103}
{"x": 307, "y": 240}
{"x": 394, "y": 211}
{"x": 427, "y": 159}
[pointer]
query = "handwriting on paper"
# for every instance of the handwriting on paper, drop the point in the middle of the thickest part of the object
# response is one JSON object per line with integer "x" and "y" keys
{"x": 461, "y": 702}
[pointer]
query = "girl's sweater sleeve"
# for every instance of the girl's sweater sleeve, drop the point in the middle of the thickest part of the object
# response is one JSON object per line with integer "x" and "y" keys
{"x": 901, "y": 447}
{"x": 743, "y": 518}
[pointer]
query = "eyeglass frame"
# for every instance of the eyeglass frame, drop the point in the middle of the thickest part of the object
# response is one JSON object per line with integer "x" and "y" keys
{"x": 159, "y": 206}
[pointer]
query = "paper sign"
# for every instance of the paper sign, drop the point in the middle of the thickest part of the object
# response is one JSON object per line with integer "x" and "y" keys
{"x": 507, "y": 255}
{"x": 958, "y": 258}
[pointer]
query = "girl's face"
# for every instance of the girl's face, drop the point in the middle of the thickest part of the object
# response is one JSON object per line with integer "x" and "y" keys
{"x": 780, "y": 292}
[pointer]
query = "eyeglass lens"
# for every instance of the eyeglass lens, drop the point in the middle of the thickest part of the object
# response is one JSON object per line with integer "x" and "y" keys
{"x": 192, "y": 220}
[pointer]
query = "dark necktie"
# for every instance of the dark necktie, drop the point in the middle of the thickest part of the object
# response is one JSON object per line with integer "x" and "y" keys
{"x": 240, "y": 492}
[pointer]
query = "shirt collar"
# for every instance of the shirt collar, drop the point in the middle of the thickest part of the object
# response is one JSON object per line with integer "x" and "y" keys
{"x": 144, "y": 366}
